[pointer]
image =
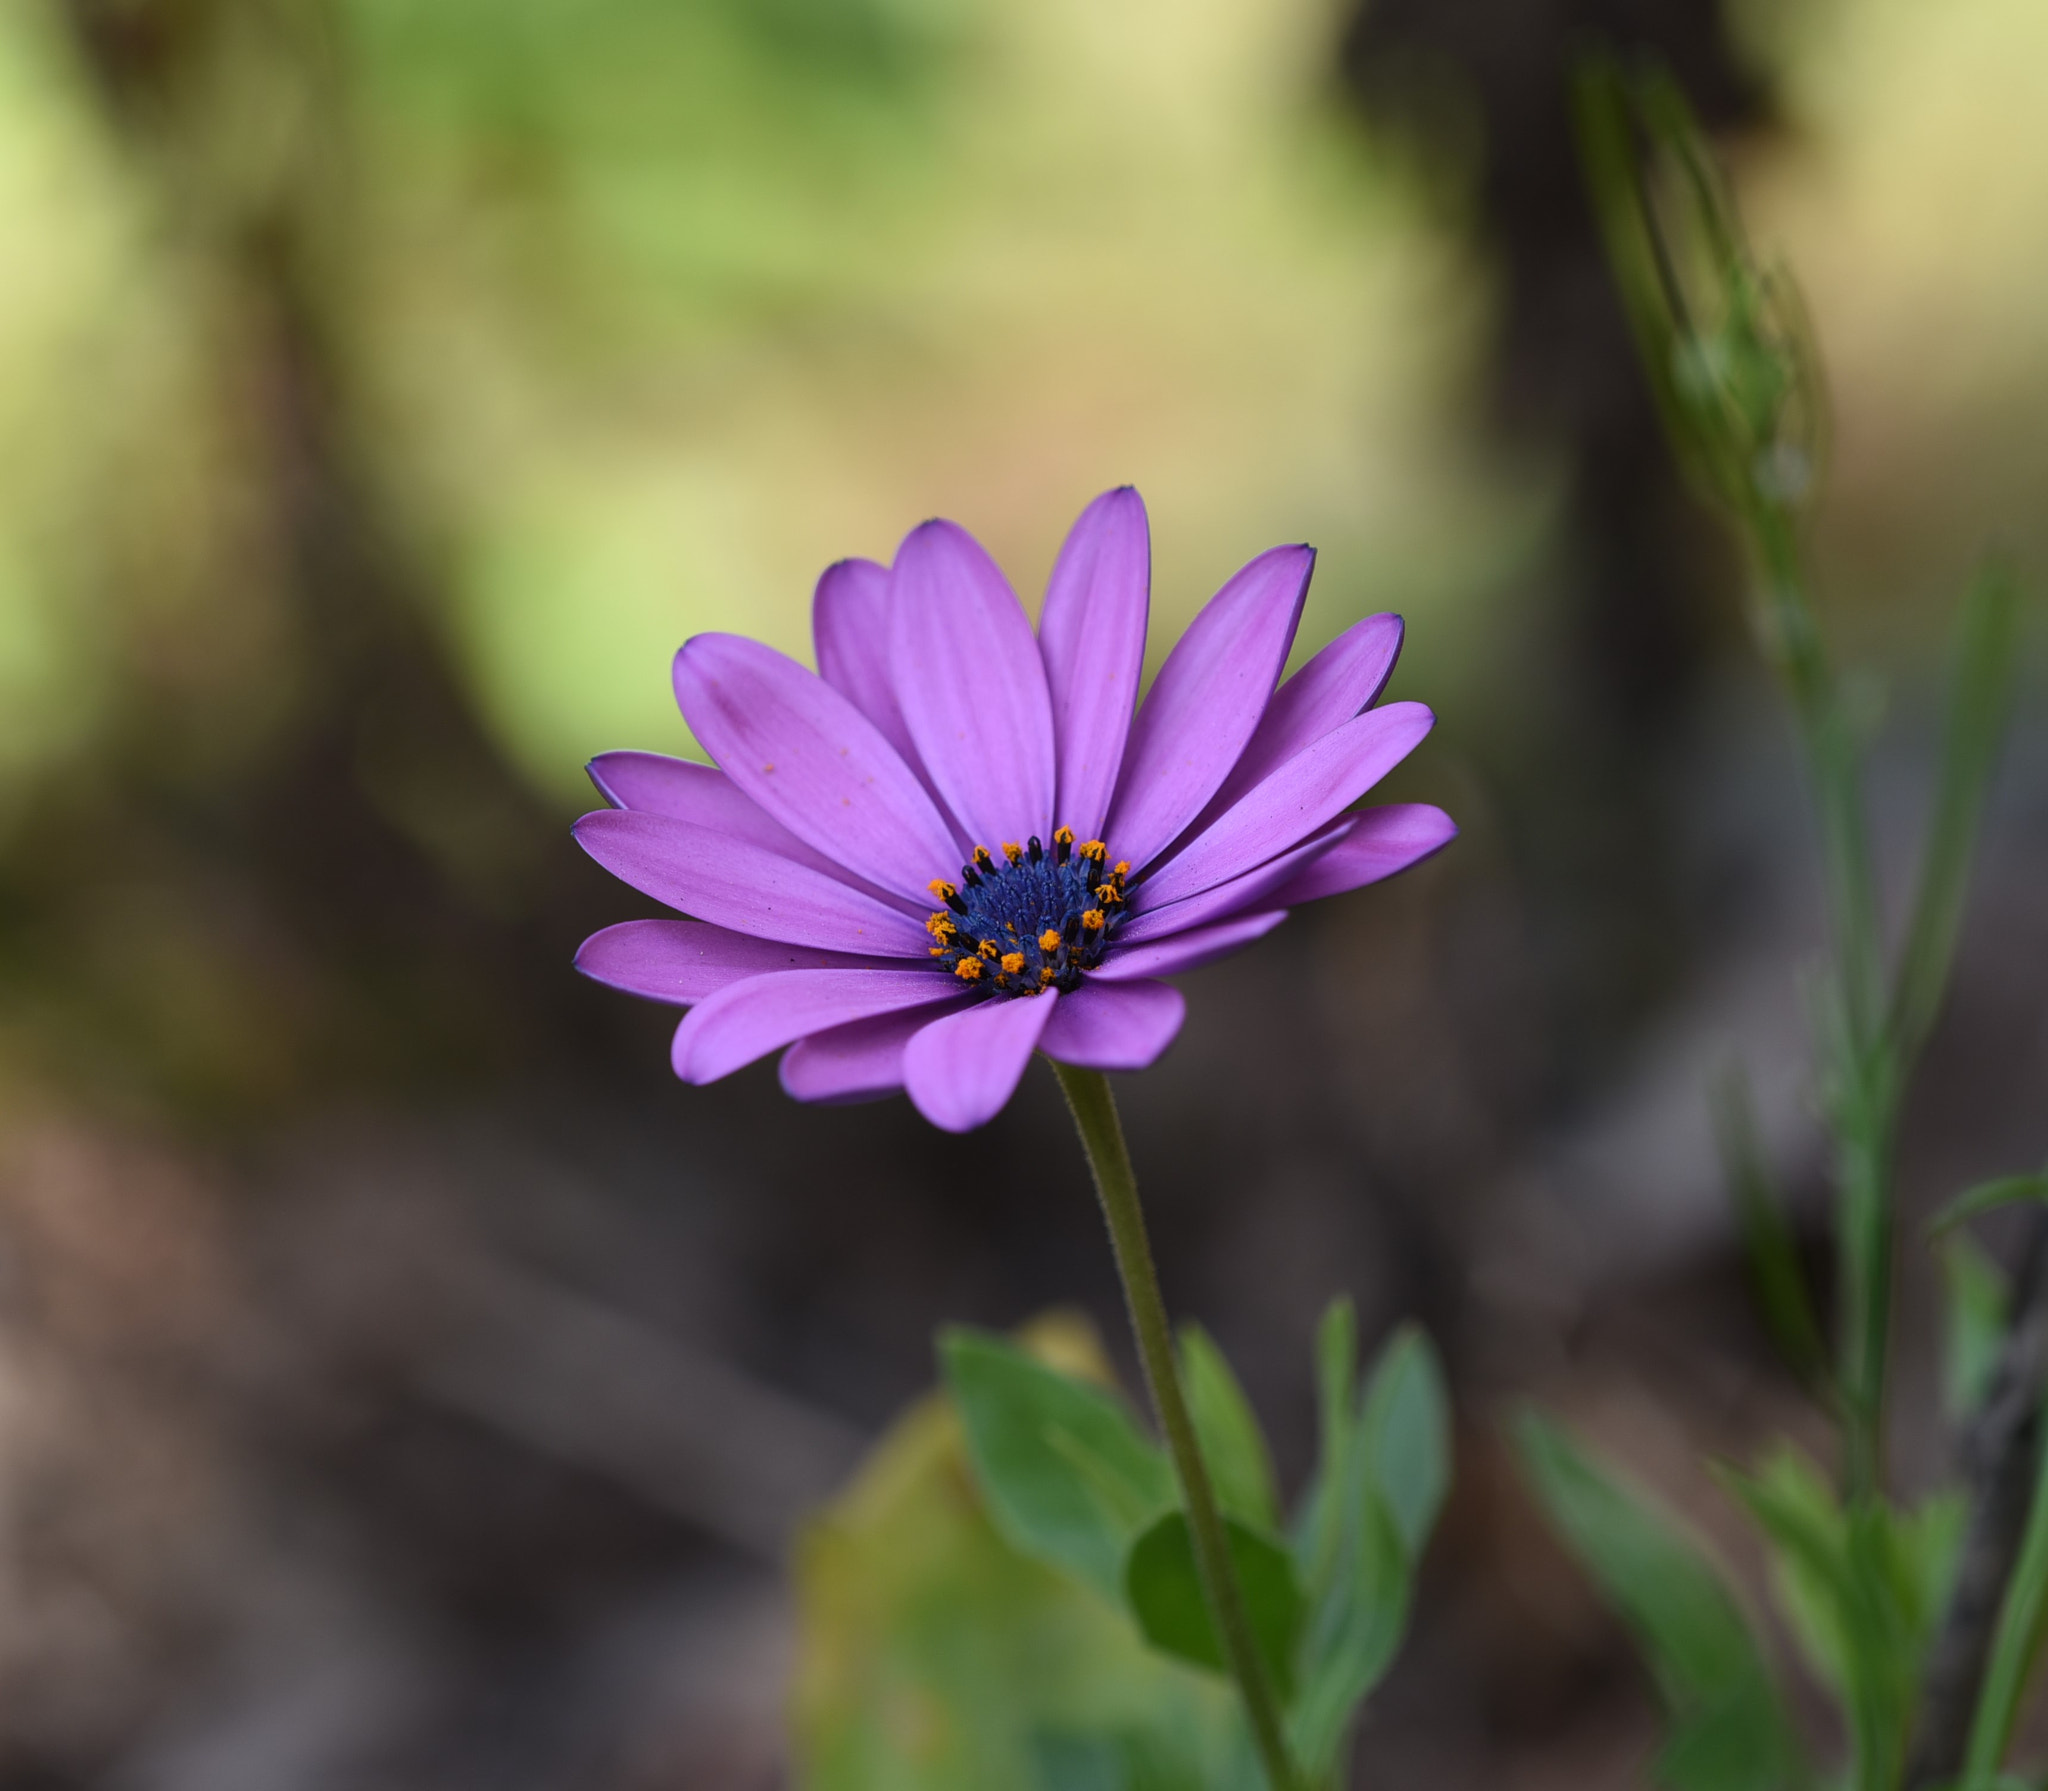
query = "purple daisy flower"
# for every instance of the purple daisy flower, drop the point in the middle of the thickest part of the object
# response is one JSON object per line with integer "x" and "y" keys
{"x": 955, "y": 843}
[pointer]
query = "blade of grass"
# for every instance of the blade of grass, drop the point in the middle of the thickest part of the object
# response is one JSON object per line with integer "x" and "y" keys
{"x": 1778, "y": 1278}
{"x": 1980, "y": 700}
{"x": 2012, "y": 1647}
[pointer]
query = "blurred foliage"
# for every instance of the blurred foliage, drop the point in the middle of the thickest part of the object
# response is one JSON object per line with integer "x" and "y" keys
{"x": 1924, "y": 1641}
{"x": 1729, "y": 1731}
{"x": 936, "y": 1655}
{"x": 905, "y": 1607}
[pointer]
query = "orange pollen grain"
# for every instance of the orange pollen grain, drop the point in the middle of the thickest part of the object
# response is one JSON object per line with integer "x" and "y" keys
{"x": 1092, "y": 920}
{"x": 942, "y": 889}
{"x": 1014, "y": 853}
{"x": 1049, "y": 940}
{"x": 1063, "y": 836}
{"x": 989, "y": 949}
{"x": 1093, "y": 849}
{"x": 1013, "y": 961}
{"x": 968, "y": 969}
{"x": 1123, "y": 867}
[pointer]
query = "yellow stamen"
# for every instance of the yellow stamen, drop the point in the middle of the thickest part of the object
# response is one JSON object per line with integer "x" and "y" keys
{"x": 982, "y": 860}
{"x": 1049, "y": 940}
{"x": 989, "y": 949}
{"x": 1092, "y": 920}
{"x": 1013, "y": 961}
{"x": 968, "y": 969}
{"x": 1094, "y": 849}
{"x": 1045, "y": 975}
{"x": 940, "y": 925}
{"x": 937, "y": 951}
{"x": 1015, "y": 854}
{"x": 942, "y": 889}
{"x": 1123, "y": 867}
{"x": 1063, "y": 836}
{"x": 1109, "y": 893}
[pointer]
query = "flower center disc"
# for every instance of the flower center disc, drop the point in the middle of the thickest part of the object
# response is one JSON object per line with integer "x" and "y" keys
{"x": 1032, "y": 920}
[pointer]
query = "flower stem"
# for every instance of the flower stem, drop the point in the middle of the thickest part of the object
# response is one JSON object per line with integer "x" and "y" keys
{"x": 1102, "y": 1138}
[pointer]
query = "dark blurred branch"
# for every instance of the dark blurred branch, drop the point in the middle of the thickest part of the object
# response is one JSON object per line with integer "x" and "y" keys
{"x": 585, "y": 1384}
{"x": 2001, "y": 1456}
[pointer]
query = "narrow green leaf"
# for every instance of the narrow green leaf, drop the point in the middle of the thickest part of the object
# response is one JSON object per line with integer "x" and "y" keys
{"x": 1980, "y": 698}
{"x": 1862, "y": 1584}
{"x": 1232, "y": 1443}
{"x": 1320, "y": 1517}
{"x": 1404, "y": 1426}
{"x": 1164, "y": 1589}
{"x": 1067, "y": 1476}
{"x": 1775, "y": 1272}
{"x": 1355, "y": 1621}
{"x": 2004, "y": 1190}
{"x": 2012, "y": 1643}
{"x": 1978, "y": 1298}
{"x": 1729, "y": 1728}
{"x": 1377, "y": 1497}
{"x": 1607, "y": 140}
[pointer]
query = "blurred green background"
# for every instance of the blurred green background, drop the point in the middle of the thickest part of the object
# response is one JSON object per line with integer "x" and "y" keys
{"x": 387, "y": 387}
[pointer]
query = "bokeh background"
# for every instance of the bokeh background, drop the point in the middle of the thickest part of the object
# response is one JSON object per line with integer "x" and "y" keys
{"x": 403, "y": 1383}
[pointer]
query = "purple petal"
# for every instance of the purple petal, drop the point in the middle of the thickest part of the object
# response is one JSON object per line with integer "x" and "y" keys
{"x": 805, "y": 754}
{"x": 734, "y": 883}
{"x": 1092, "y": 634}
{"x": 687, "y": 791}
{"x": 1114, "y": 1026}
{"x": 1312, "y": 788}
{"x": 1381, "y": 842}
{"x": 861, "y": 1061}
{"x": 1341, "y": 681}
{"x": 850, "y": 626}
{"x": 1206, "y": 702}
{"x": 1232, "y": 897}
{"x": 1186, "y": 951}
{"x": 960, "y": 1070}
{"x": 686, "y": 960}
{"x": 749, "y": 1019}
{"x": 972, "y": 686}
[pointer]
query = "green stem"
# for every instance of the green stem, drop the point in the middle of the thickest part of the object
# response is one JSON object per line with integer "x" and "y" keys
{"x": 2012, "y": 1647}
{"x": 1102, "y": 1137}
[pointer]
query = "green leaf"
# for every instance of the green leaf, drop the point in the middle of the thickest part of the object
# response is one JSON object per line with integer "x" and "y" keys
{"x": 1068, "y": 1478}
{"x": 1133, "y": 1761}
{"x": 2013, "y": 1643}
{"x": 2004, "y": 1190}
{"x": 1164, "y": 1588}
{"x": 1355, "y": 1622}
{"x": 932, "y": 1655}
{"x": 1232, "y": 1443}
{"x": 1775, "y": 1271}
{"x": 1404, "y": 1426}
{"x": 1319, "y": 1521}
{"x": 1862, "y": 1586}
{"x": 1729, "y": 1730}
{"x": 1384, "y": 1469}
{"x": 1980, "y": 698}
{"x": 1978, "y": 1297}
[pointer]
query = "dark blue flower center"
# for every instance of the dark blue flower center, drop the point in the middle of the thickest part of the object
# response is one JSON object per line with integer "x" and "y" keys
{"x": 1030, "y": 920}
